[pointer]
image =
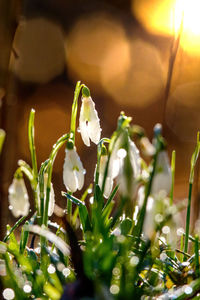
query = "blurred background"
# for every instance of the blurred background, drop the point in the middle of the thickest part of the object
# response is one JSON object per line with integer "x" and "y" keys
{"x": 139, "y": 56}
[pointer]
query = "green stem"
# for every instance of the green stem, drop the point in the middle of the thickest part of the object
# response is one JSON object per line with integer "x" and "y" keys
{"x": 2, "y": 138}
{"x": 188, "y": 220}
{"x": 196, "y": 250}
{"x": 52, "y": 157}
{"x": 33, "y": 155}
{"x": 182, "y": 246}
{"x": 14, "y": 227}
{"x": 32, "y": 143}
{"x": 173, "y": 163}
{"x": 74, "y": 110}
{"x": 69, "y": 207}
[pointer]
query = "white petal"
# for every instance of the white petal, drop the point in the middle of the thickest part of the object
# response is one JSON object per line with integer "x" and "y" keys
{"x": 108, "y": 187}
{"x": 69, "y": 178}
{"x": 114, "y": 163}
{"x": 51, "y": 201}
{"x": 135, "y": 158}
{"x": 84, "y": 133}
{"x": 94, "y": 131}
{"x": 161, "y": 182}
{"x": 83, "y": 120}
{"x": 18, "y": 198}
{"x": 94, "y": 128}
{"x": 149, "y": 223}
{"x": 80, "y": 179}
{"x": 163, "y": 177}
{"x": 89, "y": 122}
{"x": 73, "y": 171}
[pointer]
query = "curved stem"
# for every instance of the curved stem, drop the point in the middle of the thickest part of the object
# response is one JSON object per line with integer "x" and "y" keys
{"x": 52, "y": 157}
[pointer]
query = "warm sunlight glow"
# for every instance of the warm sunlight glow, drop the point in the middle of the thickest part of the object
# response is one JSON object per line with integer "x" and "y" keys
{"x": 189, "y": 11}
{"x": 165, "y": 17}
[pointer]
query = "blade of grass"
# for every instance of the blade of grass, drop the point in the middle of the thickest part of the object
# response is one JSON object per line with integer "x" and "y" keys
{"x": 191, "y": 179}
{"x": 173, "y": 163}
{"x": 196, "y": 250}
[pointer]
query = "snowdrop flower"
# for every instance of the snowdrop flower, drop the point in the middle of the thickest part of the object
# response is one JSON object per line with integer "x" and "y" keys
{"x": 163, "y": 177}
{"x": 147, "y": 148}
{"x": 73, "y": 171}
{"x": 89, "y": 122}
{"x": 125, "y": 165}
{"x": 129, "y": 169}
{"x": 18, "y": 198}
{"x": 51, "y": 197}
{"x": 149, "y": 221}
{"x": 109, "y": 180}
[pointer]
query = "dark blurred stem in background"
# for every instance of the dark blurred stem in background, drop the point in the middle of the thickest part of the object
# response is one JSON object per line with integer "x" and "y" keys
{"x": 172, "y": 59}
{"x": 8, "y": 21}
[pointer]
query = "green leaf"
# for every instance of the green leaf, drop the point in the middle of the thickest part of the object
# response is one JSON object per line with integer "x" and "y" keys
{"x": 83, "y": 212}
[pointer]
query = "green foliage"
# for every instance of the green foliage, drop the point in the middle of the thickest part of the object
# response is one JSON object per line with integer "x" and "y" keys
{"x": 119, "y": 238}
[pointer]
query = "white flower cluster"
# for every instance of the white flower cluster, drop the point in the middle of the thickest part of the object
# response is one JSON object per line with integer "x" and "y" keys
{"x": 123, "y": 164}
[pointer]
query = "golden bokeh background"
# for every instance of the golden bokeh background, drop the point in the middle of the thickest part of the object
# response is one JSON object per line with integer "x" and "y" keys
{"x": 122, "y": 51}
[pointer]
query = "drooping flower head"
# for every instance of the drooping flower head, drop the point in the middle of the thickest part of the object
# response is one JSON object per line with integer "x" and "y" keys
{"x": 102, "y": 168}
{"x": 73, "y": 171}
{"x": 51, "y": 197}
{"x": 89, "y": 122}
{"x": 18, "y": 197}
{"x": 125, "y": 163}
{"x": 163, "y": 177}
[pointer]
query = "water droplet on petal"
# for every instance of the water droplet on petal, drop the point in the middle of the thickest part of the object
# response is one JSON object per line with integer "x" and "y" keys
{"x": 188, "y": 290}
{"x": 121, "y": 153}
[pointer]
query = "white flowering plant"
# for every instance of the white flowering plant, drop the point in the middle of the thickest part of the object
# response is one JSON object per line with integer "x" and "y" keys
{"x": 120, "y": 239}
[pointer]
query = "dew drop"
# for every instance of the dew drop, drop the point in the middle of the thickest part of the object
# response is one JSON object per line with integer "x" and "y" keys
{"x": 180, "y": 231}
{"x": 91, "y": 200}
{"x": 158, "y": 218}
{"x": 116, "y": 271}
{"x": 134, "y": 260}
{"x": 51, "y": 269}
{"x": 114, "y": 289}
{"x": 66, "y": 272}
{"x": 188, "y": 290}
{"x": 60, "y": 267}
{"x": 8, "y": 294}
{"x": 163, "y": 256}
{"x": 27, "y": 288}
{"x": 121, "y": 153}
{"x": 166, "y": 230}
